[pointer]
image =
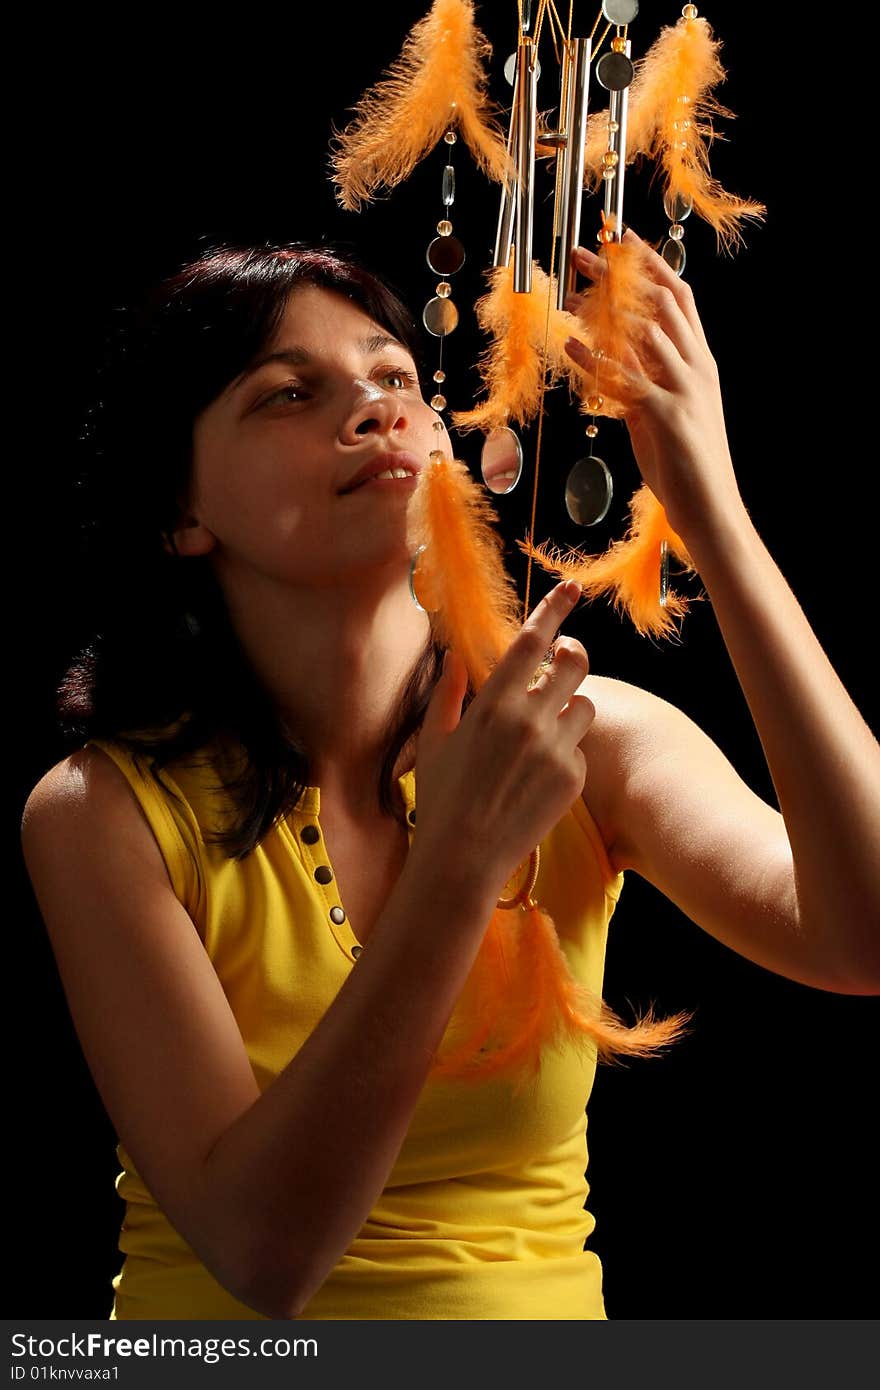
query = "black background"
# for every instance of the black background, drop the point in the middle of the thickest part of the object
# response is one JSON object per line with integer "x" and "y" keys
{"x": 736, "y": 1177}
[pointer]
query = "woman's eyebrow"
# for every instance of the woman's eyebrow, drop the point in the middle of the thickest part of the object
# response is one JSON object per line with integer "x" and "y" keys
{"x": 298, "y": 357}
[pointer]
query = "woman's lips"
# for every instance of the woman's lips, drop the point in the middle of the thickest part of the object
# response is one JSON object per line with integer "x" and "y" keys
{"x": 406, "y": 484}
{"x": 384, "y": 461}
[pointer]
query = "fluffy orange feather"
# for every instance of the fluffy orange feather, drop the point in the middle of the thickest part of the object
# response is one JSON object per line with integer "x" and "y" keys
{"x": 611, "y": 317}
{"x": 513, "y": 367}
{"x": 520, "y": 996}
{"x": 534, "y": 1003}
{"x": 629, "y": 569}
{"x": 460, "y": 576}
{"x": 670, "y": 116}
{"x": 438, "y": 81}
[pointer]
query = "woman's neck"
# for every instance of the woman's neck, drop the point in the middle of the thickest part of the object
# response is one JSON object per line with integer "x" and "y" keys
{"x": 335, "y": 661}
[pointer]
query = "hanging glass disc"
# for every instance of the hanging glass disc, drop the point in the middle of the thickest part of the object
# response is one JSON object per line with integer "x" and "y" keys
{"x": 440, "y": 317}
{"x": 674, "y": 255}
{"x": 664, "y": 573}
{"x": 620, "y": 11}
{"x": 445, "y": 255}
{"x": 588, "y": 491}
{"x": 677, "y": 207}
{"x": 412, "y": 578}
{"x": 501, "y": 460}
{"x": 510, "y": 68}
{"x": 614, "y": 71}
{"x": 449, "y": 185}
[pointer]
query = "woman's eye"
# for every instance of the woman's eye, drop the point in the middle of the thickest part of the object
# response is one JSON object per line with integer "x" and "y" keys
{"x": 286, "y": 394}
{"x": 289, "y": 395}
{"x": 399, "y": 378}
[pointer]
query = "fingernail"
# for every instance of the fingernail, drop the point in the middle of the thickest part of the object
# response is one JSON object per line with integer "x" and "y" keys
{"x": 585, "y": 253}
{"x": 573, "y": 589}
{"x": 574, "y": 345}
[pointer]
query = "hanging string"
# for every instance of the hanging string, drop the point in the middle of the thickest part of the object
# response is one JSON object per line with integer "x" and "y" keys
{"x": 544, "y": 357}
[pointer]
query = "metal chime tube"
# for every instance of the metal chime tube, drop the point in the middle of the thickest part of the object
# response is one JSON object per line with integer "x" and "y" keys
{"x": 573, "y": 168}
{"x": 504, "y": 232}
{"x": 617, "y": 109}
{"x": 527, "y": 98}
{"x": 564, "y": 126}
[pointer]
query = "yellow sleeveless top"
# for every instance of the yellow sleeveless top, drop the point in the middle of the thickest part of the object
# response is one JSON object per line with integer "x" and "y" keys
{"x": 483, "y": 1215}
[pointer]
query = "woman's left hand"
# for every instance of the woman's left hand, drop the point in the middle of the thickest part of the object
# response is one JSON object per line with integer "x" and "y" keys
{"x": 677, "y": 425}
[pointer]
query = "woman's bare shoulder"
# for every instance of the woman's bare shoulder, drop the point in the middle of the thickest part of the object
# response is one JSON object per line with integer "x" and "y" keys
{"x": 622, "y": 732}
{"x": 79, "y": 794}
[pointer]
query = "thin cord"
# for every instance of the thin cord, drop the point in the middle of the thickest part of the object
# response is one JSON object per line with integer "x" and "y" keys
{"x": 601, "y": 41}
{"x": 542, "y": 10}
{"x": 540, "y": 429}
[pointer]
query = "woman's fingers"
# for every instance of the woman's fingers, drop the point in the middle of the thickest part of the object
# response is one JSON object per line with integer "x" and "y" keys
{"x": 589, "y": 263}
{"x": 578, "y": 716}
{"x": 665, "y": 276}
{"x": 524, "y": 654}
{"x": 664, "y": 308}
{"x": 564, "y": 672}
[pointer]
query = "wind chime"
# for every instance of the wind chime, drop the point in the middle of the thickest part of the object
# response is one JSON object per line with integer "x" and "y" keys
{"x": 521, "y": 996}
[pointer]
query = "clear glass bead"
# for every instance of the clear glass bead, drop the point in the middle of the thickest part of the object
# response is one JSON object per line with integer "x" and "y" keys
{"x": 444, "y": 228}
{"x": 448, "y": 185}
{"x": 595, "y": 403}
{"x": 689, "y": 12}
{"x": 676, "y": 231}
{"x": 438, "y": 402}
{"x": 444, "y": 289}
{"x": 450, "y": 137}
{"x": 614, "y": 125}
{"x": 674, "y": 255}
{"x": 608, "y": 172}
{"x": 439, "y": 376}
{"x": 592, "y": 431}
{"x": 677, "y": 207}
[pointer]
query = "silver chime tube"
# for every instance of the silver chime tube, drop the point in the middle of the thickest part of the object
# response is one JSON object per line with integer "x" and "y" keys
{"x": 527, "y": 96}
{"x": 564, "y": 117}
{"x": 504, "y": 232}
{"x": 573, "y": 167}
{"x": 617, "y": 109}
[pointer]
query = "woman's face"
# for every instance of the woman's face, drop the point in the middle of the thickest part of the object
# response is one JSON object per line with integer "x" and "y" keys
{"x": 275, "y": 451}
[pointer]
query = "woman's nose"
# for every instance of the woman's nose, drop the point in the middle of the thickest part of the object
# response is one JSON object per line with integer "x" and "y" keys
{"x": 373, "y": 411}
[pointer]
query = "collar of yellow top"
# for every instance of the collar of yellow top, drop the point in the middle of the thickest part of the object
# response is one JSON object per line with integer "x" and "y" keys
{"x": 309, "y": 803}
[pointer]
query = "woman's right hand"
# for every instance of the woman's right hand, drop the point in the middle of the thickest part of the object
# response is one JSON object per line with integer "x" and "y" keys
{"x": 490, "y": 785}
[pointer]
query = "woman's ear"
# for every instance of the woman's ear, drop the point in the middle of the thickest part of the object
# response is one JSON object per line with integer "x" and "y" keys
{"x": 189, "y": 537}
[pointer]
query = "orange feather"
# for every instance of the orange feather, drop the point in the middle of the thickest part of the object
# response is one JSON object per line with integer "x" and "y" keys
{"x": 670, "y": 115}
{"x": 542, "y": 1006}
{"x": 520, "y": 996}
{"x": 438, "y": 81}
{"x": 513, "y": 367}
{"x": 629, "y": 569}
{"x": 460, "y": 576}
{"x": 611, "y": 318}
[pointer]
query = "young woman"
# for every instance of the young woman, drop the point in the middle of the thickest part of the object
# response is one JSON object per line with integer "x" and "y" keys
{"x": 262, "y": 937}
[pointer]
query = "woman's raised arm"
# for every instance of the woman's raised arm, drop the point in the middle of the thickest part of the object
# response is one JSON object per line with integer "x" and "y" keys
{"x": 823, "y": 758}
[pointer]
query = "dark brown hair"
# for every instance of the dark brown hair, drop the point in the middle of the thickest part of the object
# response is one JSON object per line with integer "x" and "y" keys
{"x": 164, "y": 673}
